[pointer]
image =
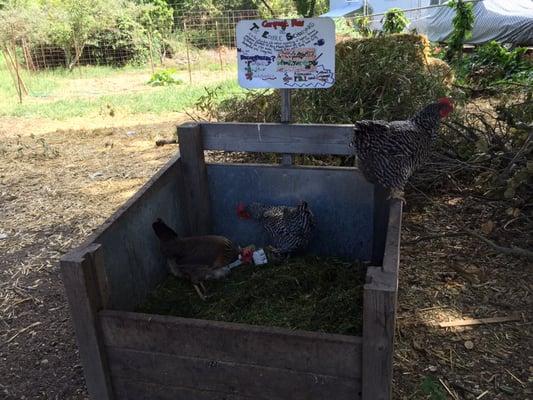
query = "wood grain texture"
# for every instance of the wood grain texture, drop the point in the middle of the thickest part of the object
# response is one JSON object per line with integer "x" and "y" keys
{"x": 391, "y": 256}
{"x": 309, "y": 352}
{"x": 132, "y": 261}
{"x": 278, "y": 138}
{"x": 83, "y": 290}
{"x": 127, "y": 389}
{"x": 379, "y": 312}
{"x": 248, "y": 380}
{"x": 195, "y": 179}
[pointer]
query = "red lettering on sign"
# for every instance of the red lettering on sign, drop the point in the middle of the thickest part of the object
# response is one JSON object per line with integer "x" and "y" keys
{"x": 297, "y": 22}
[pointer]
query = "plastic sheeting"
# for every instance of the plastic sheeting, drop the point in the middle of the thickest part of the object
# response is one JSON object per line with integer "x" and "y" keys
{"x": 509, "y": 21}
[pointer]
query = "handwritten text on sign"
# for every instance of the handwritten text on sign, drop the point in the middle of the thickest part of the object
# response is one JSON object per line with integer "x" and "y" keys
{"x": 294, "y": 53}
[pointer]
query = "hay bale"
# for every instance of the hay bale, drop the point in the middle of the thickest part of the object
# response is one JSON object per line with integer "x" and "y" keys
{"x": 385, "y": 77}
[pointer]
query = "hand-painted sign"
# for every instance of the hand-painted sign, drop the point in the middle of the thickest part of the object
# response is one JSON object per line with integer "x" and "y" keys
{"x": 286, "y": 54}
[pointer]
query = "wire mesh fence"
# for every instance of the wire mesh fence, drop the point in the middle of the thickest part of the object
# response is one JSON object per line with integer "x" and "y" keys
{"x": 193, "y": 41}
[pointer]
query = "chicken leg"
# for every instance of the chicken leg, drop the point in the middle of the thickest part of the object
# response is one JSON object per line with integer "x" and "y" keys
{"x": 397, "y": 194}
{"x": 200, "y": 293}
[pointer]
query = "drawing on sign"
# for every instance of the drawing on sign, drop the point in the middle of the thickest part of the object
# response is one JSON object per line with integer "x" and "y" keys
{"x": 297, "y": 53}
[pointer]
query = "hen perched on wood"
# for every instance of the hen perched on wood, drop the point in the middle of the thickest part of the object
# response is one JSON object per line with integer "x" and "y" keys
{"x": 196, "y": 258}
{"x": 389, "y": 152}
{"x": 290, "y": 228}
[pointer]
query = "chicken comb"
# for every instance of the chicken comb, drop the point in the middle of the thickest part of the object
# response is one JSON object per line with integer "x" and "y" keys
{"x": 445, "y": 100}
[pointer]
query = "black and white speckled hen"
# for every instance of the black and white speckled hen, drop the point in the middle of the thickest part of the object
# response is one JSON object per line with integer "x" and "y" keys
{"x": 389, "y": 152}
{"x": 290, "y": 228}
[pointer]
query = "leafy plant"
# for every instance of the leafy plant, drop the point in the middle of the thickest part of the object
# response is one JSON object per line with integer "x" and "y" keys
{"x": 165, "y": 78}
{"x": 305, "y": 8}
{"x": 492, "y": 62}
{"x": 362, "y": 23}
{"x": 432, "y": 389}
{"x": 394, "y": 21}
{"x": 463, "y": 23}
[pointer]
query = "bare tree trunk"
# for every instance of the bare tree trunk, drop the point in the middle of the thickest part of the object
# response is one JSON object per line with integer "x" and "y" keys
{"x": 151, "y": 51}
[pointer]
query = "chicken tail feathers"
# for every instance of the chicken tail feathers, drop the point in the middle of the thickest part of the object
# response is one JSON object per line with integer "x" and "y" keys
{"x": 163, "y": 231}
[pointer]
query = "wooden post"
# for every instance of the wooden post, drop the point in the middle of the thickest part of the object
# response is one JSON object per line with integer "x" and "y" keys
{"x": 187, "y": 49}
{"x": 286, "y": 111}
{"x": 379, "y": 312}
{"x": 14, "y": 61}
{"x": 195, "y": 178}
{"x": 43, "y": 56}
{"x": 84, "y": 282}
{"x": 11, "y": 70}
{"x": 218, "y": 46}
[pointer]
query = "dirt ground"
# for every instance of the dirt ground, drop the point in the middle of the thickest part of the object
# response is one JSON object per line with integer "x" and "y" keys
{"x": 56, "y": 186}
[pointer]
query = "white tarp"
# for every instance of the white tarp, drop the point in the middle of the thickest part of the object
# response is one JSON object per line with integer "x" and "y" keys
{"x": 509, "y": 21}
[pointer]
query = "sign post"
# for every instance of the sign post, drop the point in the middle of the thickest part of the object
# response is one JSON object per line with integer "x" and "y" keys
{"x": 286, "y": 54}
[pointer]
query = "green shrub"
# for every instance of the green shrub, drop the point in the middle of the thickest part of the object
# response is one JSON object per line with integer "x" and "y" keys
{"x": 394, "y": 21}
{"x": 493, "y": 62}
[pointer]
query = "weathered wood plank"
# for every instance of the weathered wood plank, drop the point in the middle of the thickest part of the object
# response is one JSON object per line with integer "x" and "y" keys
{"x": 381, "y": 218}
{"x": 312, "y": 352}
{"x": 278, "y": 138}
{"x": 391, "y": 257}
{"x": 134, "y": 264}
{"x": 379, "y": 314}
{"x": 83, "y": 289}
{"x": 259, "y": 382}
{"x": 126, "y": 389}
{"x": 195, "y": 179}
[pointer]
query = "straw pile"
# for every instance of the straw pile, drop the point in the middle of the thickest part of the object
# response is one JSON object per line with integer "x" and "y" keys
{"x": 386, "y": 77}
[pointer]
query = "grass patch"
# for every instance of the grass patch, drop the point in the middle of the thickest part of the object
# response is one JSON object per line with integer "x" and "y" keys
{"x": 158, "y": 100}
{"x": 309, "y": 293}
{"x": 53, "y": 83}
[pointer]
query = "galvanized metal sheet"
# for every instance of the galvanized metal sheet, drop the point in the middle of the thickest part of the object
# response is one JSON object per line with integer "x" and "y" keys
{"x": 341, "y": 199}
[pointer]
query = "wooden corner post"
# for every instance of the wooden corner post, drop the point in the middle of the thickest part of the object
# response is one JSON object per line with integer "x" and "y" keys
{"x": 379, "y": 314}
{"x": 86, "y": 289}
{"x": 195, "y": 178}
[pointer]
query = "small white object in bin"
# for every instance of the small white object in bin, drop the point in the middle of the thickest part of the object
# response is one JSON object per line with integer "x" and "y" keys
{"x": 260, "y": 257}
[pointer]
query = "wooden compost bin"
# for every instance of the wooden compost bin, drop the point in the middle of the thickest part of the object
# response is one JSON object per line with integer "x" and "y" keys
{"x": 129, "y": 355}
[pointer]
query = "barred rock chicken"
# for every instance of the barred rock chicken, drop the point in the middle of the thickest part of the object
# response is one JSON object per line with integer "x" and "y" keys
{"x": 389, "y": 152}
{"x": 290, "y": 228}
{"x": 196, "y": 258}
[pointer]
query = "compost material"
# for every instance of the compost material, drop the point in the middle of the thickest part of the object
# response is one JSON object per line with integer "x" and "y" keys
{"x": 308, "y": 293}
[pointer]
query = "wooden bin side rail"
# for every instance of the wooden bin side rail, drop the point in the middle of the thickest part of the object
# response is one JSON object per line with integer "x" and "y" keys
{"x": 85, "y": 284}
{"x": 248, "y": 137}
{"x": 379, "y": 314}
{"x": 278, "y": 138}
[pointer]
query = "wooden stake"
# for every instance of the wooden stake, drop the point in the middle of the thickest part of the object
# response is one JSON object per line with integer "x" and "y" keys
{"x": 187, "y": 48}
{"x": 27, "y": 56}
{"x": 14, "y": 62}
{"x": 43, "y": 56}
{"x": 218, "y": 46}
{"x": 480, "y": 321}
{"x": 11, "y": 70}
{"x": 286, "y": 111}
